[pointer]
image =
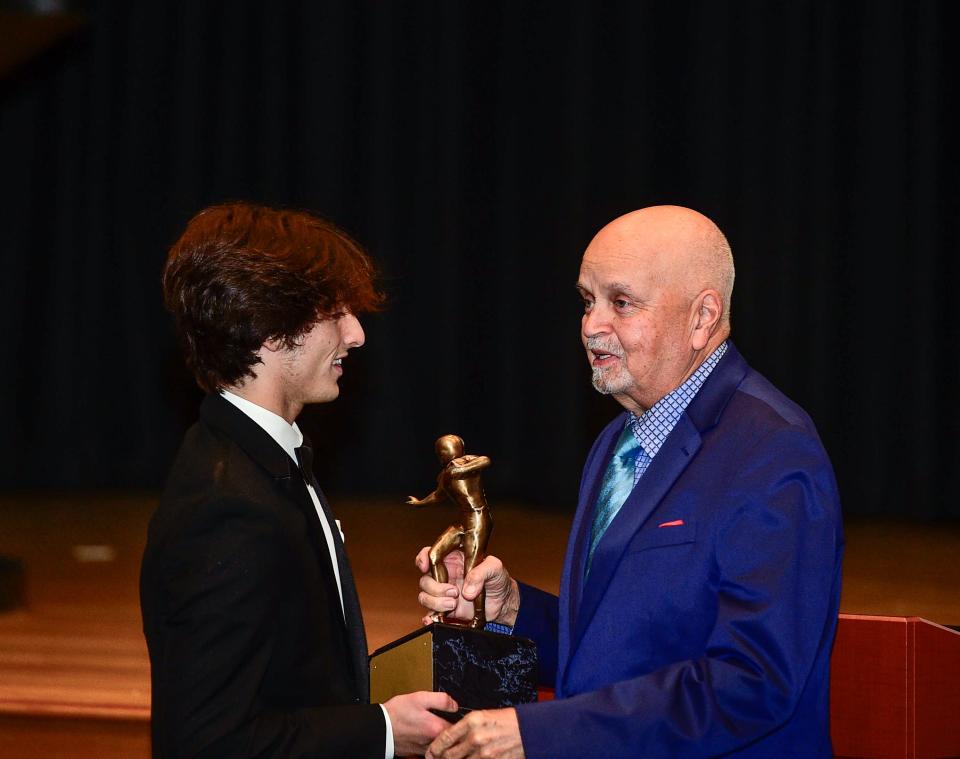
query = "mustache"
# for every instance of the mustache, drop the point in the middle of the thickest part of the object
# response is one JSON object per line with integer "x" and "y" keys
{"x": 598, "y": 345}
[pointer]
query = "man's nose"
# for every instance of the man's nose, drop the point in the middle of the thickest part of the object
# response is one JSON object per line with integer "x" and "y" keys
{"x": 596, "y": 321}
{"x": 351, "y": 333}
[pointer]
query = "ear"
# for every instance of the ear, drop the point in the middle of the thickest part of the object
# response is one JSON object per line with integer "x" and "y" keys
{"x": 708, "y": 311}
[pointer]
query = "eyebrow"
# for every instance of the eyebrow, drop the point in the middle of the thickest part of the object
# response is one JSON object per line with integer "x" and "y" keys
{"x": 620, "y": 287}
{"x": 611, "y": 287}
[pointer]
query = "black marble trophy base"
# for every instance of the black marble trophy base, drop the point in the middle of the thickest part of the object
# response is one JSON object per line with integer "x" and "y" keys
{"x": 481, "y": 670}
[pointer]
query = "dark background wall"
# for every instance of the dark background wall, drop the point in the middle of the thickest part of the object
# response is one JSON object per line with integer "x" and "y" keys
{"x": 475, "y": 148}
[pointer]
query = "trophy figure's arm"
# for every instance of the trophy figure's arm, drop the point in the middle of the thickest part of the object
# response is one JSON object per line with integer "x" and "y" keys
{"x": 435, "y": 497}
{"x": 459, "y": 471}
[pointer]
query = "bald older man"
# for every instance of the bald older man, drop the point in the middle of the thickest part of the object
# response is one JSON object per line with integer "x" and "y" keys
{"x": 700, "y": 591}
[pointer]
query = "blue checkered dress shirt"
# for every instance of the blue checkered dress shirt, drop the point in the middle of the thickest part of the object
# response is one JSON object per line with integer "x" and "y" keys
{"x": 653, "y": 426}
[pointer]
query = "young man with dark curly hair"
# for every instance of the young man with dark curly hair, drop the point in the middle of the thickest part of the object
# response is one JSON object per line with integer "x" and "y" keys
{"x": 250, "y": 612}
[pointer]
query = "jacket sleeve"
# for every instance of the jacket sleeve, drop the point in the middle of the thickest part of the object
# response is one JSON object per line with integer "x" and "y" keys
{"x": 220, "y": 578}
{"x": 777, "y": 557}
{"x": 537, "y": 620}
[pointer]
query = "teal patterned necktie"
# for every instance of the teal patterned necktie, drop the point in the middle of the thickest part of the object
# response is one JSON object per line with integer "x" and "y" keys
{"x": 617, "y": 484}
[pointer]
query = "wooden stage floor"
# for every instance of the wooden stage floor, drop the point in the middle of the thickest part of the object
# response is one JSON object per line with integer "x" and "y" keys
{"x": 74, "y": 674}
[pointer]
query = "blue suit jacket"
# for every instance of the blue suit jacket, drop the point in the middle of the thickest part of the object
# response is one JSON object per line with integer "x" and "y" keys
{"x": 713, "y": 636}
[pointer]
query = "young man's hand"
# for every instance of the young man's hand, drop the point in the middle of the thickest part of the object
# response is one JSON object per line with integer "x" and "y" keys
{"x": 414, "y": 726}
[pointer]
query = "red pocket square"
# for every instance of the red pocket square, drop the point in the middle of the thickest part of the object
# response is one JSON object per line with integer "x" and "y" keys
{"x": 674, "y": 523}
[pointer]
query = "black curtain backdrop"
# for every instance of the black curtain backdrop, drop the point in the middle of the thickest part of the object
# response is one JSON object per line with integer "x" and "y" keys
{"x": 475, "y": 148}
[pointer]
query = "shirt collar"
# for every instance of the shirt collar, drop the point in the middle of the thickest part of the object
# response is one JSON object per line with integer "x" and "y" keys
{"x": 653, "y": 426}
{"x": 287, "y": 436}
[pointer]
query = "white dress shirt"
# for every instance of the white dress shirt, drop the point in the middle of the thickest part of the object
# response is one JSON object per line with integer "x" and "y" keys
{"x": 289, "y": 437}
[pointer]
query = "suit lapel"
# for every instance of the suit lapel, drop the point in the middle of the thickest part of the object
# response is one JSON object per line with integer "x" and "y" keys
{"x": 571, "y": 583}
{"x": 676, "y": 453}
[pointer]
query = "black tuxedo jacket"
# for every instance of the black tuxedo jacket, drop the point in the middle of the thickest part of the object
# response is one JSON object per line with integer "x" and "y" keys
{"x": 249, "y": 650}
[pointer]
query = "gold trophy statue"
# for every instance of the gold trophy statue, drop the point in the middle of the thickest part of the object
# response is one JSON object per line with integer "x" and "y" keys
{"x": 479, "y": 668}
{"x": 459, "y": 480}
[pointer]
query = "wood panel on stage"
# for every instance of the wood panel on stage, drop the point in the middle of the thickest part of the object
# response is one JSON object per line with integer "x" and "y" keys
{"x": 74, "y": 673}
{"x": 895, "y": 688}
